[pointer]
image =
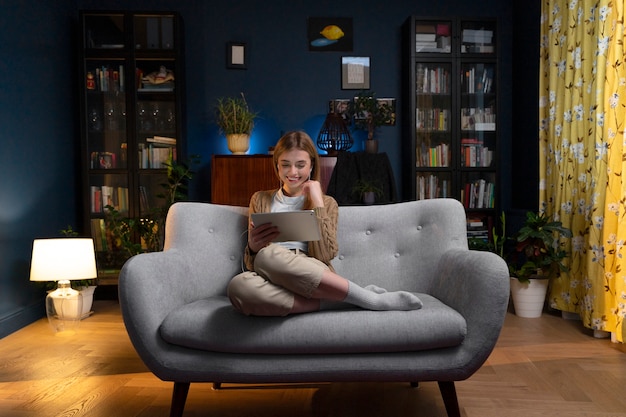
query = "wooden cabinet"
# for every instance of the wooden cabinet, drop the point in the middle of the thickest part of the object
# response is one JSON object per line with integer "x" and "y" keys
{"x": 234, "y": 178}
{"x": 131, "y": 87}
{"x": 450, "y": 141}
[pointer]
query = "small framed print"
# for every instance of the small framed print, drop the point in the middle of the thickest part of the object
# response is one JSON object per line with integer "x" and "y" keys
{"x": 355, "y": 73}
{"x": 339, "y": 106}
{"x": 236, "y": 55}
{"x": 391, "y": 104}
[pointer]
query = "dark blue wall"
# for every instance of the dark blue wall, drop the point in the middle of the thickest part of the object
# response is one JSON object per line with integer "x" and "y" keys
{"x": 286, "y": 83}
{"x": 38, "y": 142}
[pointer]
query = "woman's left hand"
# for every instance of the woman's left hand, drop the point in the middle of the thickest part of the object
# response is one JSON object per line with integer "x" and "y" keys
{"x": 313, "y": 190}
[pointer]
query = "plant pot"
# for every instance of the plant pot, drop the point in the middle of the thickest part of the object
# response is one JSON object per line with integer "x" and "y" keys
{"x": 238, "y": 143}
{"x": 369, "y": 197}
{"x": 371, "y": 146}
{"x": 87, "y": 293}
{"x": 68, "y": 308}
{"x": 529, "y": 298}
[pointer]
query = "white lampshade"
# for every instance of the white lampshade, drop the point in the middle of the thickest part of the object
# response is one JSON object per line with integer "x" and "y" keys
{"x": 63, "y": 259}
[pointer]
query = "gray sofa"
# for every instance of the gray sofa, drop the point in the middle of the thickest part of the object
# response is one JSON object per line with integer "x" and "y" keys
{"x": 183, "y": 327}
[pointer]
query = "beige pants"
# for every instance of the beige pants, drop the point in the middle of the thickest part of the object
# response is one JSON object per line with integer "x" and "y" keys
{"x": 278, "y": 274}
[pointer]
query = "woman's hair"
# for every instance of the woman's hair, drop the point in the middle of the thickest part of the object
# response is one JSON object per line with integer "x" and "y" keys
{"x": 298, "y": 140}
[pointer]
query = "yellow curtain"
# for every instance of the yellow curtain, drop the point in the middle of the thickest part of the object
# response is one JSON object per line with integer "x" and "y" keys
{"x": 581, "y": 146}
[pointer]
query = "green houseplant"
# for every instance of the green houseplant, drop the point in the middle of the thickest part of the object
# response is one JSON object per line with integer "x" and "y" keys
{"x": 236, "y": 121}
{"x": 538, "y": 257}
{"x": 151, "y": 226}
{"x": 368, "y": 191}
{"x": 538, "y": 251}
{"x": 369, "y": 113}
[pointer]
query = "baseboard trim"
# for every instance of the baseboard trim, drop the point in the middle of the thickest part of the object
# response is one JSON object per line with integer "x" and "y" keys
{"x": 21, "y": 317}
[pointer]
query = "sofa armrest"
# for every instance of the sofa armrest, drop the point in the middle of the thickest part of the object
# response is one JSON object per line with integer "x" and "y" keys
{"x": 476, "y": 284}
{"x": 150, "y": 287}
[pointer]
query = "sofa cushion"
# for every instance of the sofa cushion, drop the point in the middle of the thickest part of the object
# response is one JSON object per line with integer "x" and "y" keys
{"x": 213, "y": 324}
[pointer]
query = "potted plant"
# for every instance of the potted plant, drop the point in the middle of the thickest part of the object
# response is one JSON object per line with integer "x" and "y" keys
{"x": 85, "y": 286}
{"x": 236, "y": 121}
{"x": 151, "y": 226}
{"x": 368, "y": 114}
{"x": 538, "y": 257}
{"x": 367, "y": 191}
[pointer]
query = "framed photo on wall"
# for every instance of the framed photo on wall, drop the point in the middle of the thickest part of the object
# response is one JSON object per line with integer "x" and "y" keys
{"x": 355, "y": 73}
{"x": 236, "y": 55}
{"x": 339, "y": 106}
{"x": 329, "y": 33}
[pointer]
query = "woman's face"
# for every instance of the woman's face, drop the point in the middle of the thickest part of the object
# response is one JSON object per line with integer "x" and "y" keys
{"x": 294, "y": 169}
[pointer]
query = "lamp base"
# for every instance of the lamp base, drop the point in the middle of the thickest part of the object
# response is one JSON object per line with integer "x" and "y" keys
{"x": 64, "y": 308}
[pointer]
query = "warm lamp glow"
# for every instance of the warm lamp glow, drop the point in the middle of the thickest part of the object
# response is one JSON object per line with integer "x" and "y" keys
{"x": 63, "y": 260}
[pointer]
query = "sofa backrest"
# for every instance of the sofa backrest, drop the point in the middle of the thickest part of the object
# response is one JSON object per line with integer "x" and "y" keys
{"x": 394, "y": 246}
{"x": 398, "y": 246}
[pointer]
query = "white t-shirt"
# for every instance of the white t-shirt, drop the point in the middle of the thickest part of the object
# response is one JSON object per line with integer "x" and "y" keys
{"x": 282, "y": 203}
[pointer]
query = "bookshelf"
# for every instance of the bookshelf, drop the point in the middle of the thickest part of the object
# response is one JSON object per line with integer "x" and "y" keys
{"x": 450, "y": 104}
{"x": 130, "y": 84}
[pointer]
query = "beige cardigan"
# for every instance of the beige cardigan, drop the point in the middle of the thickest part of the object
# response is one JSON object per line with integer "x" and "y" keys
{"x": 324, "y": 249}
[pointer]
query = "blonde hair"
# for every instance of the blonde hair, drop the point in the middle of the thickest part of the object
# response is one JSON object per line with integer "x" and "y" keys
{"x": 298, "y": 140}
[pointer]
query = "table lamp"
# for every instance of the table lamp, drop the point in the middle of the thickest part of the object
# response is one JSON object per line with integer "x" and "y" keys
{"x": 62, "y": 260}
{"x": 334, "y": 135}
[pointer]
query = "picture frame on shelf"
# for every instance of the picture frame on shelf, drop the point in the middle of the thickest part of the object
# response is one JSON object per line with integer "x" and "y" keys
{"x": 355, "y": 73}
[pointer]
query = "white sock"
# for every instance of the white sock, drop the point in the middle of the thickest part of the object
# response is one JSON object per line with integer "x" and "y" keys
{"x": 376, "y": 298}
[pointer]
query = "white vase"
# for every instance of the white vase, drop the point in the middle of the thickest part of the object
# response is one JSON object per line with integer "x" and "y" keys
{"x": 238, "y": 143}
{"x": 529, "y": 297}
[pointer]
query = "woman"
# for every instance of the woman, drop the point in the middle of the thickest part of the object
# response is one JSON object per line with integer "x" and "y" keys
{"x": 296, "y": 277}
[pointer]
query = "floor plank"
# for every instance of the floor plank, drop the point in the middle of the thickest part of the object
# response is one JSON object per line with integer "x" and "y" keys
{"x": 546, "y": 366}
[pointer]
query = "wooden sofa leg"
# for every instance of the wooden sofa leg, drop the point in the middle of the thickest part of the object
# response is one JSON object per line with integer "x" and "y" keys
{"x": 179, "y": 397}
{"x": 217, "y": 386}
{"x": 448, "y": 392}
{"x": 415, "y": 384}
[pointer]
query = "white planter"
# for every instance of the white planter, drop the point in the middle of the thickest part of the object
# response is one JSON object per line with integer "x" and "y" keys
{"x": 66, "y": 308}
{"x": 529, "y": 298}
{"x": 87, "y": 293}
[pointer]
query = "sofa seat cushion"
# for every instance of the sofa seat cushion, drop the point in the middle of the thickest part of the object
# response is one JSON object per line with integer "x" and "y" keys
{"x": 214, "y": 325}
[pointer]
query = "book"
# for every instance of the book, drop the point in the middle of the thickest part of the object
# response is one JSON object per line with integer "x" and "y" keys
{"x": 425, "y": 37}
{"x": 162, "y": 139}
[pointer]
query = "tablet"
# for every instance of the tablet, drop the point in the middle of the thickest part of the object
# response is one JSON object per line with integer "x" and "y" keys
{"x": 298, "y": 225}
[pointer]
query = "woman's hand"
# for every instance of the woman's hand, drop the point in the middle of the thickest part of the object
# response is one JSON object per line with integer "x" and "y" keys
{"x": 261, "y": 236}
{"x": 313, "y": 190}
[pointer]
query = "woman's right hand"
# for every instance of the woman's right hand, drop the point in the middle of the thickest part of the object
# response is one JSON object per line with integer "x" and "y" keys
{"x": 261, "y": 236}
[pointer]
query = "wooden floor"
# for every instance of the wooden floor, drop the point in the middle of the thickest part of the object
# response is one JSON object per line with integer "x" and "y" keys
{"x": 540, "y": 367}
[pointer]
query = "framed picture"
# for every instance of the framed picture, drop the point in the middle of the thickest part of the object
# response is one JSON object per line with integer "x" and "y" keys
{"x": 339, "y": 106}
{"x": 236, "y": 55}
{"x": 391, "y": 102}
{"x": 355, "y": 73}
{"x": 330, "y": 34}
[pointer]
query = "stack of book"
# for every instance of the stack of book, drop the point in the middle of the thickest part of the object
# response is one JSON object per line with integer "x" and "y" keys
{"x": 477, "y": 41}
{"x": 478, "y": 194}
{"x": 474, "y": 153}
{"x": 158, "y": 151}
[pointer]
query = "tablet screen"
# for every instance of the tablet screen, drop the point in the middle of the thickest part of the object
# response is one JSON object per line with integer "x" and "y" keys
{"x": 299, "y": 225}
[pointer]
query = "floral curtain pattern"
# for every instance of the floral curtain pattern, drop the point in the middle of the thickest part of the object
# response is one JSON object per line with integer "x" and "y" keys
{"x": 582, "y": 78}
